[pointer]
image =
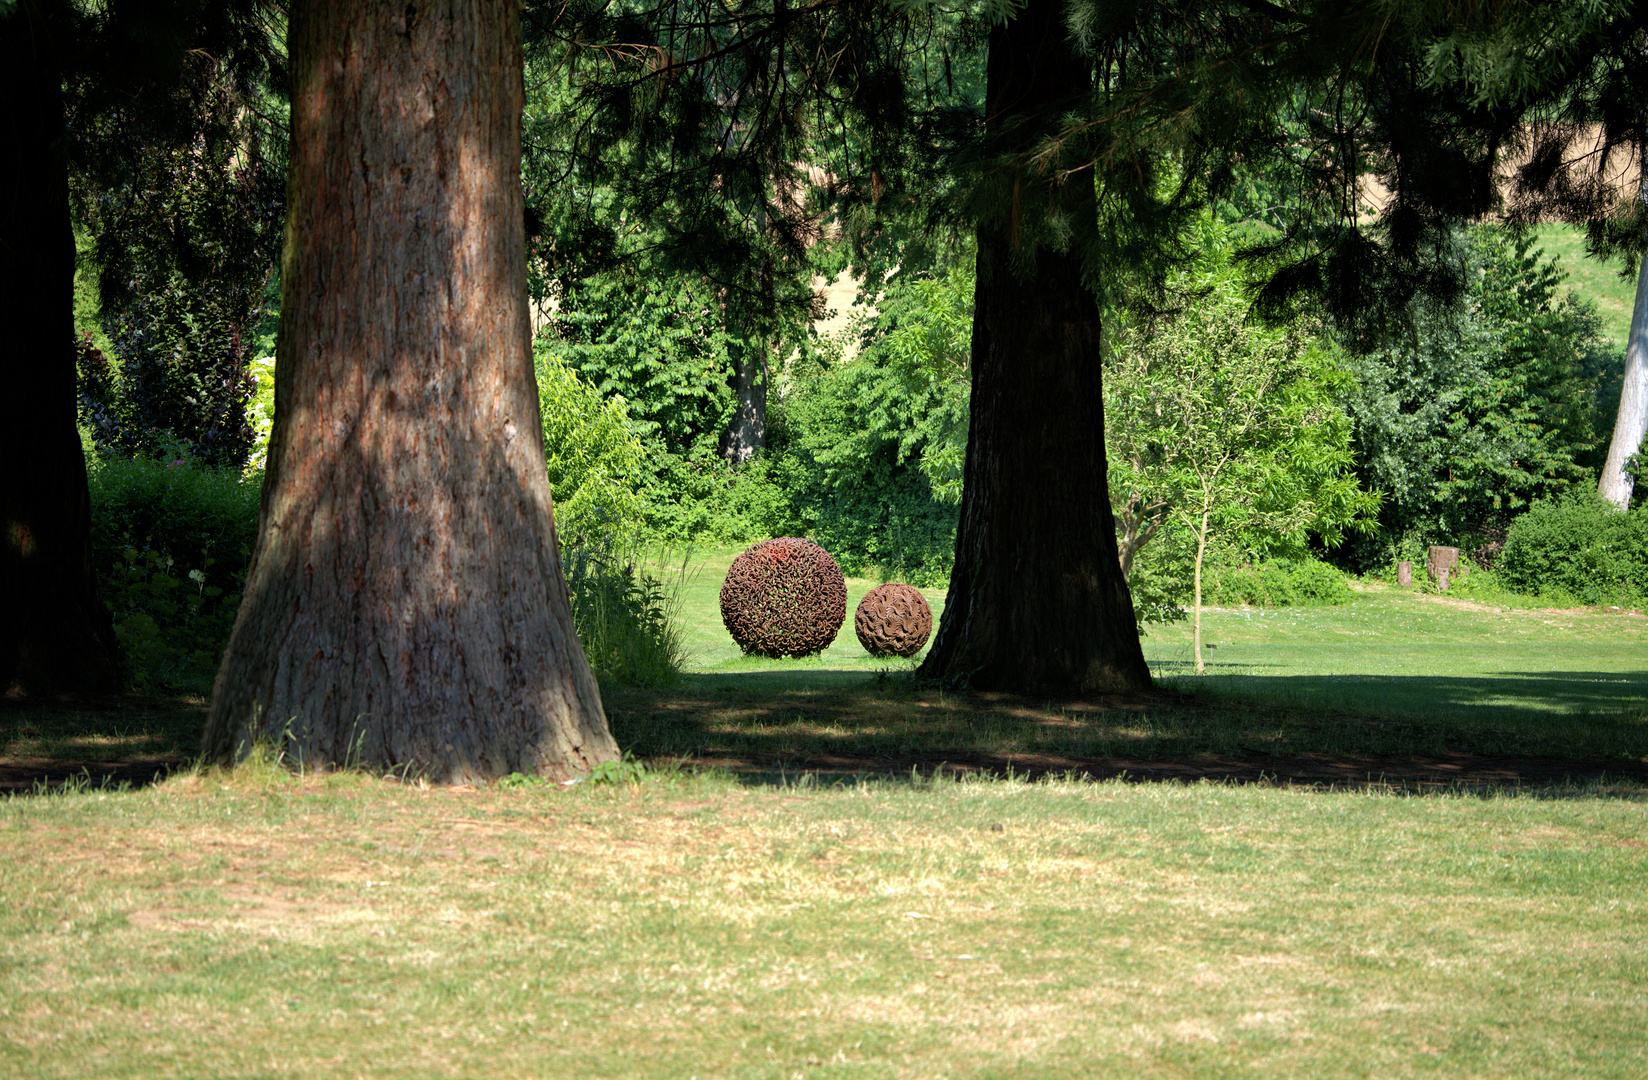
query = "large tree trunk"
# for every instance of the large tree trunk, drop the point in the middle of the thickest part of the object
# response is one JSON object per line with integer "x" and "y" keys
{"x": 55, "y": 634}
{"x": 1631, "y": 422}
{"x": 405, "y": 606}
{"x": 1037, "y": 600}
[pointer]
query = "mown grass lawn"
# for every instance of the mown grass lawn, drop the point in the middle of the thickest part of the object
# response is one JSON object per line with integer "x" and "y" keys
{"x": 1423, "y": 852}
{"x": 266, "y": 925}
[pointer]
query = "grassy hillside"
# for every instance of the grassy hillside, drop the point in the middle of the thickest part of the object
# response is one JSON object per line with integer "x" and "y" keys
{"x": 1592, "y": 278}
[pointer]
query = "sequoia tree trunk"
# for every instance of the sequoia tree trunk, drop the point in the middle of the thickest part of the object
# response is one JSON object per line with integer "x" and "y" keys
{"x": 1037, "y": 601}
{"x": 405, "y": 607}
{"x": 55, "y": 634}
{"x": 1631, "y": 422}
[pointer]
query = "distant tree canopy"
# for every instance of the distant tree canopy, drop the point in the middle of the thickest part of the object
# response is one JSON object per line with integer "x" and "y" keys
{"x": 1482, "y": 408}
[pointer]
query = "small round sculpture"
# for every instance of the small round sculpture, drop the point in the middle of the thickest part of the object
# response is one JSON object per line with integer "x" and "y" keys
{"x": 893, "y": 620}
{"x": 784, "y": 597}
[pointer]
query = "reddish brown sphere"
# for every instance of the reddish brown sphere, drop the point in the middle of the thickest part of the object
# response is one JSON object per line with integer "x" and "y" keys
{"x": 784, "y": 597}
{"x": 893, "y": 620}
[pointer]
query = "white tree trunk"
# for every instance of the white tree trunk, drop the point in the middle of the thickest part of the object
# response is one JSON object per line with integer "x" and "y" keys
{"x": 1632, "y": 420}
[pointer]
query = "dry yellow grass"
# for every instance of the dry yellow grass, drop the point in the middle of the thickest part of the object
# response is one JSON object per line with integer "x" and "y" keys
{"x": 260, "y": 925}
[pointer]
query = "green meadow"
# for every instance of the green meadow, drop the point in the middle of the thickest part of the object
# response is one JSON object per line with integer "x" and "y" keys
{"x": 1406, "y": 836}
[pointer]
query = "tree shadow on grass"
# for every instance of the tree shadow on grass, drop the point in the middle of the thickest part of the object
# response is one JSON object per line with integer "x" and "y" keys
{"x": 47, "y": 744}
{"x": 1499, "y": 731}
{"x": 1499, "y": 697}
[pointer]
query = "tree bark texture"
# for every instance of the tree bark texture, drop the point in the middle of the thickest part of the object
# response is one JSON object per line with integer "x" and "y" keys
{"x": 1037, "y": 600}
{"x": 747, "y": 429}
{"x": 1631, "y": 422}
{"x": 405, "y": 606}
{"x": 55, "y": 634}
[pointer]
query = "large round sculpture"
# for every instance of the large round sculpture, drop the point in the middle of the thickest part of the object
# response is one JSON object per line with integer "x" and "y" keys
{"x": 893, "y": 620}
{"x": 784, "y": 597}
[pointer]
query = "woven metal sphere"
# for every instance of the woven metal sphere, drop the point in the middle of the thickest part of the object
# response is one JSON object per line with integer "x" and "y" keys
{"x": 893, "y": 620}
{"x": 784, "y": 597}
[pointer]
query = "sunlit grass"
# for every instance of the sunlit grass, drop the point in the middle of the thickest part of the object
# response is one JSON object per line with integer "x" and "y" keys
{"x": 1396, "y": 672}
{"x": 795, "y": 885}
{"x": 1597, "y": 281}
{"x": 262, "y": 924}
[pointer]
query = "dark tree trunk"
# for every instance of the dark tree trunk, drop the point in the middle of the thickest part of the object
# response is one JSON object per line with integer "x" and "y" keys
{"x": 747, "y": 430}
{"x": 405, "y": 605}
{"x": 1037, "y": 600}
{"x": 55, "y": 634}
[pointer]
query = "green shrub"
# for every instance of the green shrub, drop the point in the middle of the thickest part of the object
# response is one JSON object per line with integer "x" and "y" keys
{"x": 1579, "y": 547}
{"x": 170, "y": 542}
{"x": 593, "y": 455}
{"x": 1277, "y": 583}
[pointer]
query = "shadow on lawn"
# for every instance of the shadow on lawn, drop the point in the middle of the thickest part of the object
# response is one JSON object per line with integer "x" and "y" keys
{"x": 1522, "y": 696}
{"x": 113, "y": 741}
{"x": 1414, "y": 732}
{"x": 1407, "y": 731}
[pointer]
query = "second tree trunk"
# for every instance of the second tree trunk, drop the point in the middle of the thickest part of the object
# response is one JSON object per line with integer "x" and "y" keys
{"x": 1037, "y": 600}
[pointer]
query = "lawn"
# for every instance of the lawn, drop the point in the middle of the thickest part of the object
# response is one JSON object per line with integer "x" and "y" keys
{"x": 266, "y": 925}
{"x": 1398, "y": 684}
{"x": 1414, "y": 842}
{"x": 1600, "y": 282}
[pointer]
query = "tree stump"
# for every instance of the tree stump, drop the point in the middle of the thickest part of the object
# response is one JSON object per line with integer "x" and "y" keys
{"x": 1404, "y": 574}
{"x": 1441, "y": 561}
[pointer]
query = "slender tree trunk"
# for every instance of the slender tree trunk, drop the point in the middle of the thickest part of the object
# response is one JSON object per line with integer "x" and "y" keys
{"x": 405, "y": 605}
{"x": 1037, "y": 601}
{"x": 1201, "y": 550}
{"x": 1631, "y": 422}
{"x": 55, "y": 634}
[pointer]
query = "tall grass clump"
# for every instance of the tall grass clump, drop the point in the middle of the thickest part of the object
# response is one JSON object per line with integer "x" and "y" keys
{"x": 625, "y": 617}
{"x": 1580, "y": 548}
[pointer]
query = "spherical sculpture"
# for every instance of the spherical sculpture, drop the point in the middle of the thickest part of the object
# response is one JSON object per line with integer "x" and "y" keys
{"x": 784, "y": 597}
{"x": 893, "y": 620}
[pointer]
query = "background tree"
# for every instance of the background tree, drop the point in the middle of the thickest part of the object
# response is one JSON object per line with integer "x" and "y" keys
{"x": 1479, "y": 408}
{"x": 187, "y": 241}
{"x": 69, "y": 70}
{"x": 1226, "y": 427}
{"x": 668, "y": 142}
{"x": 1576, "y": 78}
{"x": 405, "y": 606}
{"x": 867, "y": 455}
